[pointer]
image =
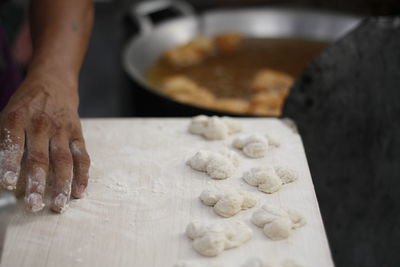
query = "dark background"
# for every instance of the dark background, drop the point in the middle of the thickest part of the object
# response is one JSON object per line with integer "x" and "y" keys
{"x": 104, "y": 88}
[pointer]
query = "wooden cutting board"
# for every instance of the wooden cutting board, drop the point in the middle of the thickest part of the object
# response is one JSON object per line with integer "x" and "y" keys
{"x": 142, "y": 195}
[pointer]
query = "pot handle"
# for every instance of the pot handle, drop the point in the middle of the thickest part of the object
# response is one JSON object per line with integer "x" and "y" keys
{"x": 141, "y": 11}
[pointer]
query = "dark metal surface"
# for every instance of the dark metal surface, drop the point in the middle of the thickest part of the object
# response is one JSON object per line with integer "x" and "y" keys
{"x": 347, "y": 108}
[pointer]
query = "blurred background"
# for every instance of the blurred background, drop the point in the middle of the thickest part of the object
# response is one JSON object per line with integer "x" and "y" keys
{"x": 105, "y": 89}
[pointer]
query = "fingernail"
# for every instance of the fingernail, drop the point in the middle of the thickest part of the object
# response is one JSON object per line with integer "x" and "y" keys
{"x": 80, "y": 190}
{"x": 60, "y": 203}
{"x": 10, "y": 180}
{"x": 34, "y": 202}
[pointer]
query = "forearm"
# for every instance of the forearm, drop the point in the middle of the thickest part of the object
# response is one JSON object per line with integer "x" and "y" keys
{"x": 61, "y": 31}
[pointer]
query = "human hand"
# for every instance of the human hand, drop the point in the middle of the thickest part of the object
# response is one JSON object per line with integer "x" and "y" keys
{"x": 40, "y": 133}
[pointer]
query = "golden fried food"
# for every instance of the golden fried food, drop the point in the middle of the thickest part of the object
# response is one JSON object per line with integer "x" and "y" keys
{"x": 228, "y": 42}
{"x": 190, "y": 53}
{"x": 234, "y": 105}
{"x": 265, "y": 103}
{"x": 202, "y": 44}
{"x": 185, "y": 90}
{"x": 271, "y": 80}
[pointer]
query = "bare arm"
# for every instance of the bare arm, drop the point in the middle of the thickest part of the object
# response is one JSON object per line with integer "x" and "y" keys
{"x": 60, "y": 31}
{"x": 40, "y": 126}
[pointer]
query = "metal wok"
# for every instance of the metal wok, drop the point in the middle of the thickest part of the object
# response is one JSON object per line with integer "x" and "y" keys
{"x": 147, "y": 46}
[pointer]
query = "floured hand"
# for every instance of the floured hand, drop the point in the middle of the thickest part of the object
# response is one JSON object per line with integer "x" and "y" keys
{"x": 41, "y": 130}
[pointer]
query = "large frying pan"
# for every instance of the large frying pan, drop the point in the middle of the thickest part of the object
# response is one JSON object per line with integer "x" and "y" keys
{"x": 146, "y": 47}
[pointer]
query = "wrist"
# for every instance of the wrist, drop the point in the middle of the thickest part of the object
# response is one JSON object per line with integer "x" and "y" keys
{"x": 53, "y": 70}
{"x": 65, "y": 79}
{"x": 53, "y": 83}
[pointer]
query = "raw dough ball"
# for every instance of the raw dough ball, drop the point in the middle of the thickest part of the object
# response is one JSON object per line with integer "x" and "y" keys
{"x": 200, "y": 160}
{"x": 278, "y": 229}
{"x": 214, "y": 128}
{"x": 218, "y": 165}
{"x": 266, "y": 214}
{"x": 277, "y": 222}
{"x": 268, "y": 179}
{"x": 220, "y": 168}
{"x": 211, "y": 239}
{"x": 253, "y": 145}
{"x": 233, "y": 125}
{"x": 287, "y": 175}
{"x": 228, "y": 201}
{"x": 265, "y": 179}
{"x": 229, "y": 205}
{"x": 236, "y": 233}
{"x": 273, "y": 140}
{"x": 297, "y": 219}
{"x": 210, "y": 244}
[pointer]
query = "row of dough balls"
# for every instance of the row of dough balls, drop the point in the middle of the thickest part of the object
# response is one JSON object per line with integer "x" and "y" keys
{"x": 211, "y": 239}
{"x": 216, "y": 128}
{"x": 222, "y": 165}
{"x": 228, "y": 201}
{"x": 254, "y": 262}
{"x": 218, "y": 165}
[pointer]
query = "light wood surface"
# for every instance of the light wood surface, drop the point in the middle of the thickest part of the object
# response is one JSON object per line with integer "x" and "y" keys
{"x": 142, "y": 195}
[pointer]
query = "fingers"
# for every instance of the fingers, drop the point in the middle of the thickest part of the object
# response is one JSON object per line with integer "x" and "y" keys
{"x": 81, "y": 163}
{"x": 70, "y": 161}
{"x": 36, "y": 164}
{"x": 12, "y": 139}
{"x": 61, "y": 160}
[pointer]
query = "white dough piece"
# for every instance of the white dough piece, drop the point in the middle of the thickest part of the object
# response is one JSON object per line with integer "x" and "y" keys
{"x": 278, "y": 229}
{"x": 218, "y": 165}
{"x": 268, "y": 179}
{"x": 265, "y": 179}
{"x": 277, "y": 223}
{"x": 211, "y": 239}
{"x": 228, "y": 201}
{"x": 233, "y": 125}
{"x": 273, "y": 140}
{"x": 287, "y": 175}
{"x": 252, "y": 145}
{"x": 214, "y": 128}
